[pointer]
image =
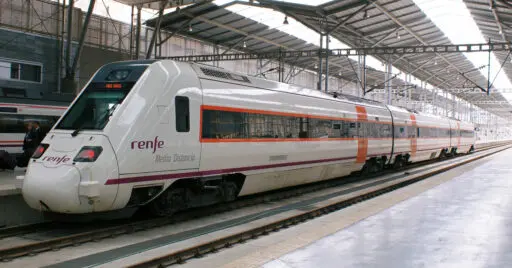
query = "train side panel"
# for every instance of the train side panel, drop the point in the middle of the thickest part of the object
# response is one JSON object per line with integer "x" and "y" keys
{"x": 15, "y": 116}
{"x": 249, "y": 130}
{"x": 403, "y": 132}
{"x": 467, "y": 137}
{"x": 433, "y": 136}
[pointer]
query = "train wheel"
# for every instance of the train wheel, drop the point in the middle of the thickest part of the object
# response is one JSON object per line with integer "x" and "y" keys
{"x": 365, "y": 171}
{"x": 230, "y": 191}
{"x": 399, "y": 162}
{"x": 442, "y": 154}
{"x": 168, "y": 202}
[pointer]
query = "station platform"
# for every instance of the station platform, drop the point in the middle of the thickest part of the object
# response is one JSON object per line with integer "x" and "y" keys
{"x": 460, "y": 218}
{"x": 8, "y": 181}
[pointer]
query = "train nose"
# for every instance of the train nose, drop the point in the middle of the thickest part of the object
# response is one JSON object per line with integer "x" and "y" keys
{"x": 54, "y": 189}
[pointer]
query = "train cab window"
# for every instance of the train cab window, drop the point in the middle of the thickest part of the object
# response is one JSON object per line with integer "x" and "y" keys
{"x": 103, "y": 95}
{"x": 182, "y": 114}
{"x": 92, "y": 110}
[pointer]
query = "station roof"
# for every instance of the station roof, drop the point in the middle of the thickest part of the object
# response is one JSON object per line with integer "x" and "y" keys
{"x": 357, "y": 23}
{"x": 155, "y": 4}
{"x": 216, "y": 25}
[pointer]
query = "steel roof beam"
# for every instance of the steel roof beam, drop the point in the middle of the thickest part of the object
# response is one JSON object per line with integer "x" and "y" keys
{"x": 343, "y": 8}
{"x": 344, "y": 21}
{"x": 498, "y": 22}
{"x": 437, "y": 49}
{"x": 227, "y": 40}
{"x": 411, "y": 32}
{"x": 386, "y": 36}
{"x": 230, "y": 28}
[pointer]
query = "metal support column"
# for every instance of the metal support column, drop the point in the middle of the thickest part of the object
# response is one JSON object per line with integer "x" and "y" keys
{"x": 327, "y": 40}
{"x": 137, "y": 36}
{"x": 445, "y": 103}
{"x": 156, "y": 31}
{"x": 217, "y": 51}
{"x": 363, "y": 73}
{"x": 61, "y": 43}
{"x": 455, "y": 106}
{"x": 388, "y": 80}
{"x": 131, "y": 32}
{"x": 69, "y": 34}
{"x": 159, "y": 44}
{"x": 82, "y": 38}
{"x": 320, "y": 63}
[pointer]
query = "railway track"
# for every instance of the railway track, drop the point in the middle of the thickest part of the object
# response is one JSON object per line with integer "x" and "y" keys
{"x": 113, "y": 230}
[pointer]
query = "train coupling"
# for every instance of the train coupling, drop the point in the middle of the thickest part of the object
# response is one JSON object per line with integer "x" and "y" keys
{"x": 89, "y": 189}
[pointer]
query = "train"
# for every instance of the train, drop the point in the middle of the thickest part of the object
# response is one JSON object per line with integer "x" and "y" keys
{"x": 15, "y": 114}
{"x": 167, "y": 136}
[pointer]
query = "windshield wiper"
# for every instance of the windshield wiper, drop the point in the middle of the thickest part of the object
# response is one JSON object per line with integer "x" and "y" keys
{"x": 107, "y": 113}
{"x": 74, "y": 133}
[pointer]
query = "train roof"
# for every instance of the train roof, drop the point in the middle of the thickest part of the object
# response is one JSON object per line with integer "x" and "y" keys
{"x": 205, "y": 71}
{"x": 215, "y": 73}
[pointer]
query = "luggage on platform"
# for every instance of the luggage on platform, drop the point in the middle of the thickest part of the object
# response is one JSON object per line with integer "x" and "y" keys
{"x": 7, "y": 161}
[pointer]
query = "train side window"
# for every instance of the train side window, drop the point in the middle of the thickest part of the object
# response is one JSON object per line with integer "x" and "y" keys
{"x": 182, "y": 114}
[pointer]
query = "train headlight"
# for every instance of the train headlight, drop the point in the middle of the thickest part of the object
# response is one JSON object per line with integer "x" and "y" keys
{"x": 40, "y": 150}
{"x": 88, "y": 154}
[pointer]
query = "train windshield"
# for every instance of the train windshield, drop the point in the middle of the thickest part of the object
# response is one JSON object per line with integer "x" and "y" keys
{"x": 107, "y": 90}
{"x": 93, "y": 109}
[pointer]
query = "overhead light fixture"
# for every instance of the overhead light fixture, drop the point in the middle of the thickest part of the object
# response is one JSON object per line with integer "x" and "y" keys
{"x": 245, "y": 45}
{"x": 285, "y": 20}
{"x": 190, "y": 27}
{"x": 500, "y": 31}
{"x": 366, "y": 14}
{"x": 397, "y": 35}
{"x": 316, "y": 66}
{"x": 435, "y": 62}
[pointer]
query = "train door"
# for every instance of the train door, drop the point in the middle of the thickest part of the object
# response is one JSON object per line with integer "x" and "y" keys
{"x": 185, "y": 148}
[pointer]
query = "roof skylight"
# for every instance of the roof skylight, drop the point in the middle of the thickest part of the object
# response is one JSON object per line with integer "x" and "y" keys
{"x": 451, "y": 16}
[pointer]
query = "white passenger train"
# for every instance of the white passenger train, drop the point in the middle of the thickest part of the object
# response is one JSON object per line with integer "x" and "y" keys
{"x": 14, "y": 118}
{"x": 172, "y": 135}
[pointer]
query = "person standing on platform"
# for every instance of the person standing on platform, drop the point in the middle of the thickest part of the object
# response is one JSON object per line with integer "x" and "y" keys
{"x": 30, "y": 144}
{"x": 38, "y": 134}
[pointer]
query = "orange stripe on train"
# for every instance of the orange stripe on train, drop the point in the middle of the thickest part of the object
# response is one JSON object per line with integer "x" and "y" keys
{"x": 414, "y": 139}
{"x": 362, "y": 143}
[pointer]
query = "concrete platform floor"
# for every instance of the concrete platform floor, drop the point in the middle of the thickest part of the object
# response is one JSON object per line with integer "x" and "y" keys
{"x": 8, "y": 179}
{"x": 462, "y": 218}
{"x": 13, "y": 209}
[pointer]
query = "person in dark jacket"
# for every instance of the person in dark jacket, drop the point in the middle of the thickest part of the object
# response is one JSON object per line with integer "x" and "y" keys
{"x": 38, "y": 134}
{"x": 30, "y": 143}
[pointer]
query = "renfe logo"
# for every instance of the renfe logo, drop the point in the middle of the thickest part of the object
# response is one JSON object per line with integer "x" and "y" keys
{"x": 57, "y": 159}
{"x": 142, "y": 145}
